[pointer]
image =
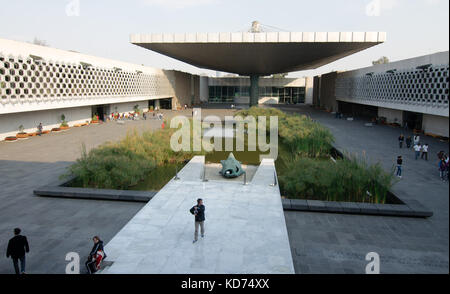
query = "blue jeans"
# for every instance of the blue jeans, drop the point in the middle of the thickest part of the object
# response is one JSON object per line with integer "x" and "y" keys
{"x": 399, "y": 170}
{"x": 417, "y": 154}
{"x": 16, "y": 264}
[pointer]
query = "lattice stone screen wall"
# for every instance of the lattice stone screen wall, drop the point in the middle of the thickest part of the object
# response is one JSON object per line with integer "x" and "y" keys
{"x": 30, "y": 80}
{"x": 421, "y": 87}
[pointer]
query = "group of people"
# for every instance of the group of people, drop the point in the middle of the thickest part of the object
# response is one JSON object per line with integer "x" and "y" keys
{"x": 18, "y": 245}
{"x": 421, "y": 151}
{"x": 408, "y": 141}
{"x": 417, "y": 146}
{"x": 124, "y": 116}
{"x": 133, "y": 116}
{"x": 443, "y": 166}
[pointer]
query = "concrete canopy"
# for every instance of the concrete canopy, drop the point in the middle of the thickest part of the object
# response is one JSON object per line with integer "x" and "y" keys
{"x": 259, "y": 54}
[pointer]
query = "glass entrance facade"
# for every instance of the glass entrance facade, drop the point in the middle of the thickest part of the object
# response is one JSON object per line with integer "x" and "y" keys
{"x": 285, "y": 95}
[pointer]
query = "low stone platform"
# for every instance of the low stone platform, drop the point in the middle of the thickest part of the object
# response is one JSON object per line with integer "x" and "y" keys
{"x": 411, "y": 208}
{"x": 245, "y": 229}
{"x": 97, "y": 194}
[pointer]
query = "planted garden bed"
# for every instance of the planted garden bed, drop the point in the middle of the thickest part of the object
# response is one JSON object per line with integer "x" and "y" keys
{"x": 310, "y": 170}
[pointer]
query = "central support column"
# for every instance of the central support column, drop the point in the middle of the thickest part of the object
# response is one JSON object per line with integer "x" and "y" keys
{"x": 254, "y": 90}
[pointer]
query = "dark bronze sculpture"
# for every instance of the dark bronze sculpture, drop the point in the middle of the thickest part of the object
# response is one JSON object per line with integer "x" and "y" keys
{"x": 231, "y": 168}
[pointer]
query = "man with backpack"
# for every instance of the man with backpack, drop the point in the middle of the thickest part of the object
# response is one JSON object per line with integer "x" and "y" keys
{"x": 199, "y": 212}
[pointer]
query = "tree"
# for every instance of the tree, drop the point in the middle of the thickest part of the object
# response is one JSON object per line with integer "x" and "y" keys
{"x": 279, "y": 75}
{"x": 381, "y": 60}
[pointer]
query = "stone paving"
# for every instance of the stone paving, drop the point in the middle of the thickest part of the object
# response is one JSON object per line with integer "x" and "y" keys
{"x": 245, "y": 230}
{"x": 336, "y": 243}
{"x": 320, "y": 242}
{"x": 55, "y": 227}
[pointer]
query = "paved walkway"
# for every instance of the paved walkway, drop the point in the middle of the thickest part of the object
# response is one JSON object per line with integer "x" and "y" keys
{"x": 320, "y": 243}
{"x": 245, "y": 229}
{"x": 55, "y": 227}
{"x": 333, "y": 243}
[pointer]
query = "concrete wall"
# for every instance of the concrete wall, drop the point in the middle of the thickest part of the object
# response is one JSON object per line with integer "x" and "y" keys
{"x": 204, "y": 90}
{"x": 436, "y": 125}
{"x": 309, "y": 90}
{"x": 128, "y": 107}
{"x": 418, "y": 84}
{"x": 185, "y": 86}
{"x": 38, "y": 84}
{"x": 391, "y": 115}
{"x": 316, "y": 91}
{"x": 9, "y": 123}
{"x": 327, "y": 94}
{"x": 34, "y": 78}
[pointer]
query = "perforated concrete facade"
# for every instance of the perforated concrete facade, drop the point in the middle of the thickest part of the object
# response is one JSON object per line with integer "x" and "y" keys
{"x": 29, "y": 80}
{"x": 420, "y": 85}
{"x": 408, "y": 86}
{"x": 39, "y": 84}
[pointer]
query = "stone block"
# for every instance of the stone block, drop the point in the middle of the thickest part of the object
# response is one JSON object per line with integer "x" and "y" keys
{"x": 299, "y": 204}
{"x": 316, "y": 205}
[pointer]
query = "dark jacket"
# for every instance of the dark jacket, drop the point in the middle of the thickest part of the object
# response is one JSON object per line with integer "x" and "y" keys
{"x": 17, "y": 247}
{"x": 97, "y": 246}
{"x": 199, "y": 214}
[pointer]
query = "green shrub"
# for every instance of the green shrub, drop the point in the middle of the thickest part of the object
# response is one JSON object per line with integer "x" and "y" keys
{"x": 352, "y": 180}
{"x": 111, "y": 167}
{"x": 63, "y": 121}
{"x": 123, "y": 164}
{"x": 302, "y": 136}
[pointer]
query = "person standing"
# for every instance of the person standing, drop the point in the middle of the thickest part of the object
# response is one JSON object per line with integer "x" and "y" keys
{"x": 416, "y": 139}
{"x": 442, "y": 168}
{"x": 425, "y": 152}
{"x": 408, "y": 142}
{"x": 17, "y": 247}
{"x": 39, "y": 129}
{"x": 401, "y": 139}
{"x": 199, "y": 212}
{"x": 417, "y": 149}
{"x": 446, "y": 160}
{"x": 399, "y": 166}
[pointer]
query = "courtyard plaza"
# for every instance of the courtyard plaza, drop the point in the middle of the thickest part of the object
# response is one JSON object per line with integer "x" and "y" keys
{"x": 320, "y": 242}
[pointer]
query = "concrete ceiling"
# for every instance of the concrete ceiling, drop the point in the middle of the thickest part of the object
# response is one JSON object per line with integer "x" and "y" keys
{"x": 258, "y": 53}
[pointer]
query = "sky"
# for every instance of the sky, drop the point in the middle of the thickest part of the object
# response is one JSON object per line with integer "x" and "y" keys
{"x": 102, "y": 27}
